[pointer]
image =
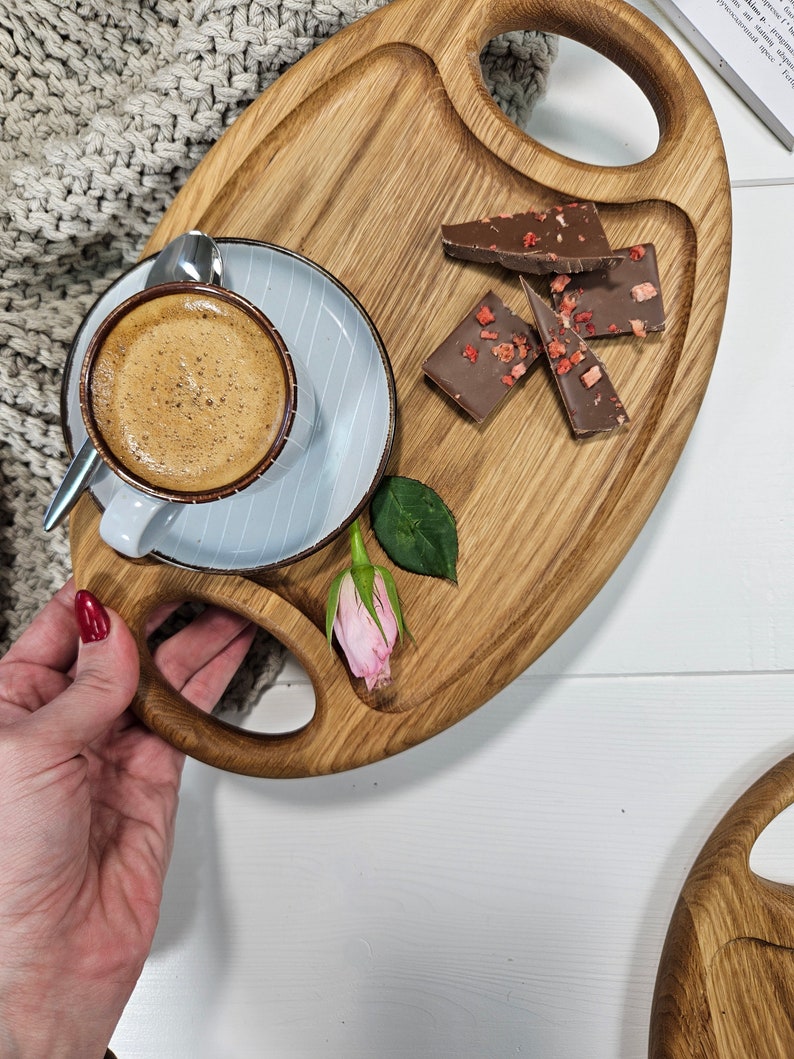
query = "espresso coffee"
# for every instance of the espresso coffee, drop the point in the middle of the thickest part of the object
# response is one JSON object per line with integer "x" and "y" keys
{"x": 188, "y": 392}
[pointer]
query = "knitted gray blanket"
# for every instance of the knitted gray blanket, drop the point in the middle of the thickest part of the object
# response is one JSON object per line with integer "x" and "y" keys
{"x": 105, "y": 108}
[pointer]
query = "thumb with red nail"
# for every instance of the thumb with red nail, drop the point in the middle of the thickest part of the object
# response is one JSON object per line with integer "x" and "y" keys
{"x": 93, "y": 620}
{"x": 88, "y": 802}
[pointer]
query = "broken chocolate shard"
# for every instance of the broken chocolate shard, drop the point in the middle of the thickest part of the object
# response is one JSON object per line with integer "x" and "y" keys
{"x": 626, "y": 299}
{"x": 561, "y": 239}
{"x": 482, "y": 359}
{"x": 589, "y": 397}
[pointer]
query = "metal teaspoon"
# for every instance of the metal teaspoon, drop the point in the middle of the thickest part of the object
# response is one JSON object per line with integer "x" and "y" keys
{"x": 192, "y": 256}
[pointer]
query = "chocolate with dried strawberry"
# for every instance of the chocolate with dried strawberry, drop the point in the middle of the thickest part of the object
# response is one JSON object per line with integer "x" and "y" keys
{"x": 484, "y": 356}
{"x": 626, "y": 299}
{"x": 585, "y": 388}
{"x": 567, "y": 238}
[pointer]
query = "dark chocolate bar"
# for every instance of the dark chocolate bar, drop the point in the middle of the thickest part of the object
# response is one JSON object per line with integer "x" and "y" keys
{"x": 626, "y": 299}
{"x": 483, "y": 358}
{"x": 561, "y": 239}
{"x": 589, "y": 397}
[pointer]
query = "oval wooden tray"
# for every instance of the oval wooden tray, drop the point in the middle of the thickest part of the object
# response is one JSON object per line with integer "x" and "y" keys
{"x": 725, "y": 987}
{"x": 354, "y": 158}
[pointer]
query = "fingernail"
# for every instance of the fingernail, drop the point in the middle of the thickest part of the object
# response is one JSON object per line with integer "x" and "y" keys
{"x": 92, "y": 618}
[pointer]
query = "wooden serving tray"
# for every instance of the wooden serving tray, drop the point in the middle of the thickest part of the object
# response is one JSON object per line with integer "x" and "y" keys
{"x": 725, "y": 987}
{"x": 354, "y": 158}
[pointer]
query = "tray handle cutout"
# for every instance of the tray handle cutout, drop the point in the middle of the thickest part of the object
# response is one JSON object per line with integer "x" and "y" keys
{"x": 135, "y": 588}
{"x": 725, "y": 986}
{"x": 459, "y": 29}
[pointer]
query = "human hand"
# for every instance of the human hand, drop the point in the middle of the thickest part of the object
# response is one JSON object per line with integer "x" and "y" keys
{"x": 88, "y": 800}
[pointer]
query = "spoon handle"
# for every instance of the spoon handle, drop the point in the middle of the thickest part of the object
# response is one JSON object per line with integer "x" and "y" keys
{"x": 79, "y": 473}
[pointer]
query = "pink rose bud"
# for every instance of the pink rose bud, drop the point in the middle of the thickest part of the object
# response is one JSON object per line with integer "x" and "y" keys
{"x": 364, "y": 612}
{"x": 366, "y": 647}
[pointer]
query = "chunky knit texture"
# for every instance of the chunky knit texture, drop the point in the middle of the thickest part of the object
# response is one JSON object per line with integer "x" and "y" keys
{"x": 105, "y": 108}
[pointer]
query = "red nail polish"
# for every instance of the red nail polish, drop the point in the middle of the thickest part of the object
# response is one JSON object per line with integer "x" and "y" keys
{"x": 92, "y": 618}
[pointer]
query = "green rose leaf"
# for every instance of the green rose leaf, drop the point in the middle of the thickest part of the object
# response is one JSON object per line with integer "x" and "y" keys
{"x": 415, "y": 527}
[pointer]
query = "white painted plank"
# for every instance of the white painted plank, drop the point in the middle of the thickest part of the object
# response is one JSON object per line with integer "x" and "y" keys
{"x": 504, "y": 886}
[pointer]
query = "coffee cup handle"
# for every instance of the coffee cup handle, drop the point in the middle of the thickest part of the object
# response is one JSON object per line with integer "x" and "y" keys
{"x": 134, "y": 523}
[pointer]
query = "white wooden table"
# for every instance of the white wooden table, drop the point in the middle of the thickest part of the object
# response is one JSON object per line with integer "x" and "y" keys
{"x": 505, "y": 888}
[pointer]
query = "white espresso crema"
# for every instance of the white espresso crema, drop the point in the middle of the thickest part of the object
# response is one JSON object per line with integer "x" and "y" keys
{"x": 188, "y": 392}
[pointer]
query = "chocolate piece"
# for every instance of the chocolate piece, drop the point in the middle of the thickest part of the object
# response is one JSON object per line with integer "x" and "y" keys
{"x": 561, "y": 239}
{"x": 486, "y": 354}
{"x": 585, "y": 388}
{"x": 623, "y": 300}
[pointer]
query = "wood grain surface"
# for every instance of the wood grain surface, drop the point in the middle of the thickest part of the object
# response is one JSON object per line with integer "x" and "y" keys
{"x": 354, "y": 158}
{"x": 725, "y": 988}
